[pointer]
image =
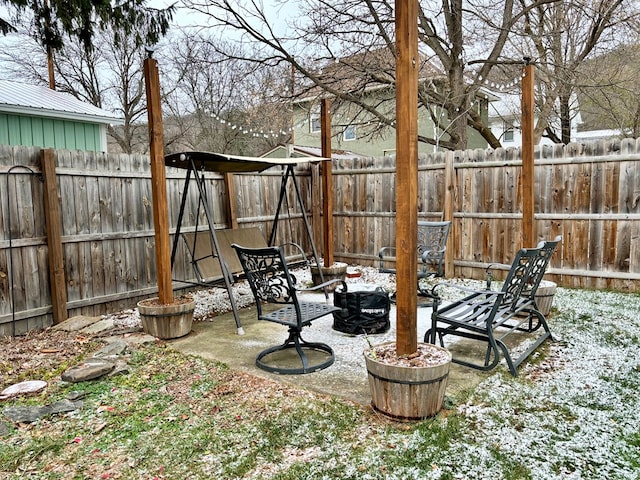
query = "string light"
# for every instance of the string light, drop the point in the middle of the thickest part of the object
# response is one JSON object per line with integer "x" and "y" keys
{"x": 250, "y": 131}
{"x": 500, "y": 87}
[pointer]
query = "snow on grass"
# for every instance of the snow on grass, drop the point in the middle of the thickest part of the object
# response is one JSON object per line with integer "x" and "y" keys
{"x": 572, "y": 413}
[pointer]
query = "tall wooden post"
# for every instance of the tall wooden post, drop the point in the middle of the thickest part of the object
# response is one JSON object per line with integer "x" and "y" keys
{"x": 406, "y": 175}
{"x": 528, "y": 227}
{"x": 158, "y": 181}
{"x": 327, "y": 183}
{"x": 53, "y": 223}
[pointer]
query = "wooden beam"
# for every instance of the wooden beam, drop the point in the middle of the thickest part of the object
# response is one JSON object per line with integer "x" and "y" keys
{"x": 528, "y": 227}
{"x": 158, "y": 181}
{"x": 407, "y": 63}
{"x": 316, "y": 201}
{"x": 53, "y": 223}
{"x": 327, "y": 183}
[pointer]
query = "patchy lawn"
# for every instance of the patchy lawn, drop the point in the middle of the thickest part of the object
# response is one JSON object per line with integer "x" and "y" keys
{"x": 571, "y": 414}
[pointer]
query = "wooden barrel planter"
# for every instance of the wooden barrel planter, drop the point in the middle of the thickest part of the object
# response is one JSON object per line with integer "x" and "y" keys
{"x": 544, "y": 296}
{"x": 167, "y": 321}
{"x": 408, "y": 392}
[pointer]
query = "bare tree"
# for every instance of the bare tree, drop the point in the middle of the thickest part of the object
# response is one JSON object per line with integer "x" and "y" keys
{"x": 460, "y": 46}
{"x": 608, "y": 91}
{"x": 109, "y": 76}
{"x": 222, "y": 103}
{"x": 210, "y": 102}
{"x": 560, "y": 37}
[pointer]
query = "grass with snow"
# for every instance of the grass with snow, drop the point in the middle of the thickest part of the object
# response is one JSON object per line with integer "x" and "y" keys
{"x": 571, "y": 414}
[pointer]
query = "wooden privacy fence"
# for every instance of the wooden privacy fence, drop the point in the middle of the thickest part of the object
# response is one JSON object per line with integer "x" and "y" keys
{"x": 106, "y": 229}
{"x": 588, "y": 194}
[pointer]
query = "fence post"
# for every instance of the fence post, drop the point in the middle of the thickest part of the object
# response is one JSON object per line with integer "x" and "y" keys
{"x": 230, "y": 204}
{"x": 447, "y": 214}
{"x": 53, "y": 224}
{"x": 316, "y": 200}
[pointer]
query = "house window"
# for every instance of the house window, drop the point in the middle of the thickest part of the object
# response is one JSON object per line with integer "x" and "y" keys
{"x": 507, "y": 134}
{"x": 314, "y": 123}
{"x": 349, "y": 133}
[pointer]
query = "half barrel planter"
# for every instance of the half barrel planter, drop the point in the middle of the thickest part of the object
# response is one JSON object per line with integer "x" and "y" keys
{"x": 169, "y": 321}
{"x": 408, "y": 393}
{"x": 320, "y": 274}
{"x": 544, "y": 296}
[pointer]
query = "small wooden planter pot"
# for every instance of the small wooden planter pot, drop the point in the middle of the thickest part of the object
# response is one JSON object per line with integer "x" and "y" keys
{"x": 167, "y": 321}
{"x": 337, "y": 271}
{"x": 544, "y": 296}
{"x": 408, "y": 393}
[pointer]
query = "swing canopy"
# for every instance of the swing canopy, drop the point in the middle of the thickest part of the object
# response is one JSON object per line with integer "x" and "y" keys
{"x": 211, "y": 258}
{"x": 223, "y": 163}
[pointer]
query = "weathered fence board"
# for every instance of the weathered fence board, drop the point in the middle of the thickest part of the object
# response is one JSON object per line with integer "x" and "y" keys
{"x": 590, "y": 194}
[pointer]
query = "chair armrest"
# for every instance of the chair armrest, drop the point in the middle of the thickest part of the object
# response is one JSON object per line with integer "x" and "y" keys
{"x": 298, "y": 247}
{"x": 431, "y": 253}
{"x": 462, "y": 288}
{"x": 323, "y": 285}
{"x": 387, "y": 252}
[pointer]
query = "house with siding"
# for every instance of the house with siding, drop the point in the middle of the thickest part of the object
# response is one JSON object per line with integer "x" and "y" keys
{"x": 34, "y": 115}
{"x": 369, "y": 78}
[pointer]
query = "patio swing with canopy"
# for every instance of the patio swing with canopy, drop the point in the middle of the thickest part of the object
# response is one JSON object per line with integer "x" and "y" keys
{"x": 214, "y": 261}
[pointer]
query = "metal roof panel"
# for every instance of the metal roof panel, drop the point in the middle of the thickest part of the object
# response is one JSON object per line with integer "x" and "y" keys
{"x": 37, "y": 100}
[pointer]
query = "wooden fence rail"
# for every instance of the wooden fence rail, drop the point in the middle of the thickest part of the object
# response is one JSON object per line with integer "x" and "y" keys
{"x": 588, "y": 194}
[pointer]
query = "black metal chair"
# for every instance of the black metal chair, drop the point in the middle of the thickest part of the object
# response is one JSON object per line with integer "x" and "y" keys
{"x": 489, "y": 316}
{"x": 432, "y": 243}
{"x": 271, "y": 282}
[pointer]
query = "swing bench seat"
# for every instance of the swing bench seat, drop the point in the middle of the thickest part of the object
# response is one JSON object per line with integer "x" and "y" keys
{"x": 205, "y": 259}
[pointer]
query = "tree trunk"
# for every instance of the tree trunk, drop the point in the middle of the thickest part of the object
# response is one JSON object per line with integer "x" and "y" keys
{"x": 565, "y": 118}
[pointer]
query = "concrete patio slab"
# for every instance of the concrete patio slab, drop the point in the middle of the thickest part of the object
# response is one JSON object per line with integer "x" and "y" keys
{"x": 346, "y": 378}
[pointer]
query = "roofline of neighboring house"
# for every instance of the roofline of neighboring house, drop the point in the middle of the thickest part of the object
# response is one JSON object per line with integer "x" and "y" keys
{"x": 312, "y": 151}
{"x": 60, "y": 114}
{"x": 491, "y": 97}
{"x": 313, "y": 98}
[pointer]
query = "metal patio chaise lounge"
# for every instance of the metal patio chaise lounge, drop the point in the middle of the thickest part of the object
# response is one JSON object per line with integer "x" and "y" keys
{"x": 490, "y": 316}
